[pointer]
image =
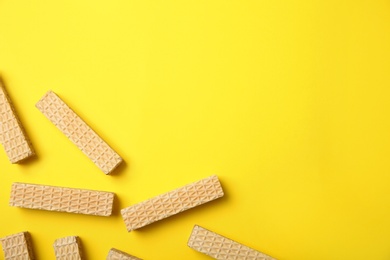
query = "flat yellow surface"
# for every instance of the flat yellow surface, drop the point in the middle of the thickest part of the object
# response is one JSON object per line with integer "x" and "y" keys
{"x": 286, "y": 101}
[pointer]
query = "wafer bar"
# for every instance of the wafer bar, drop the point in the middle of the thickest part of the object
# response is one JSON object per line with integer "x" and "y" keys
{"x": 17, "y": 246}
{"x": 68, "y": 248}
{"x": 12, "y": 135}
{"x": 172, "y": 202}
{"x": 79, "y": 132}
{"x": 219, "y": 247}
{"x": 34, "y": 196}
{"x": 115, "y": 254}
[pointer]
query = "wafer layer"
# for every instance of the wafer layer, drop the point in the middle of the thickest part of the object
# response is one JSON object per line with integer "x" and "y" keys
{"x": 115, "y": 254}
{"x": 79, "y": 132}
{"x": 222, "y": 248}
{"x": 12, "y": 135}
{"x": 17, "y": 247}
{"x": 53, "y": 198}
{"x": 68, "y": 248}
{"x": 172, "y": 202}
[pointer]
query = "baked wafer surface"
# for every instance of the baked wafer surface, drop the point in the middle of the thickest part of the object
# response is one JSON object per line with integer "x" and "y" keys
{"x": 87, "y": 140}
{"x": 220, "y": 247}
{"x": 17, "y": 247}
{"x": 68, "y": 248}
{"x": 171, "y": 203}
{"x": 115, "y": 254}
{"x": 34, "y": 196}
{"x": 12, "y": 135}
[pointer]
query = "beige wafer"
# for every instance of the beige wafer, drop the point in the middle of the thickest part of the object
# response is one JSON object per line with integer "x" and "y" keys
{"x": 79, "y": 132}
{"x": 68, "y": 248}
{"x": 12, "y": 136}
{"x": 172, "y": 202}
{"x": 17, "y": 246}
{"x": 219, "y": 247}
{"x": 115, "y": 254}
{"x": 34, "y": 196}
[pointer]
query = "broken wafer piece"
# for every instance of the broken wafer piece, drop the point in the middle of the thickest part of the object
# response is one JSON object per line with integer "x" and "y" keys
{"x": 219, "y": 247}
{"x": 12, "y": 135}
{"x": 68, "y": 248}
{"x": 115, "y": 254}
{"x": 79, "y": 132}
{"x": 17, "y": 246}
{"x": 172, "y": 202}
{"x": 34, "y": 196}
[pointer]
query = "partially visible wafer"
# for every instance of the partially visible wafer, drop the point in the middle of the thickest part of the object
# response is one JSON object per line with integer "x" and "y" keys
{"x": 34, "y": 196}
{"x": 92, "y": 145}
{"x": 172, "y": 202}
{"x": 68, "y": 248}
{"x": 12, "y": 135}
{"x": 115, "y": 254}
{"x": 17, "y": 246}
{"x": 219, "y": 247}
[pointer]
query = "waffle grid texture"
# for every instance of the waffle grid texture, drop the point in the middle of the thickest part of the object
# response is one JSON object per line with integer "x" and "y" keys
{"x": 53, "y": 198}
{"x": 79, "y": 132}
{"x": 68, "y": 248}
{"x": 12, "y": 135}
{"x": 17, "y": 247}
{"x": 172, "y": 202}
{"x": 219, "y": 247}
{"x": 115, "y": 254}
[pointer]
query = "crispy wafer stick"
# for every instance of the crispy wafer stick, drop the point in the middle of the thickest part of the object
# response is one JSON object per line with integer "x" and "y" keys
{"x": 115, "y": 254}
{"x": 17, "y": 246}
{"x": 34, "y": 196}
{"x": 219, "y": 247}
{"x": 12, "y": 136}
{"x": 172, "y": 202}
{"x": 79, "y": 132}
{"x": 68, "y": 248}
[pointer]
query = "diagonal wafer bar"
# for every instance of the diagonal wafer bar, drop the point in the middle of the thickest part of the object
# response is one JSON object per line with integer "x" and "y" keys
{"x": 115, "y": 254}
{"x": 17, "y": 246}
{"x": 68, "y": 248}
{"x": 79, "y": 132}
{"x": 34, "y": 196}
{"x": 171, "y": 203}
{"x": 219, "y": 247}
{"x": 12, "y": 136}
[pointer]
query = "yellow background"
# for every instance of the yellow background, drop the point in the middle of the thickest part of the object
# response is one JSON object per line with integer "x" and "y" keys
{"x": 286, "y": 101}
